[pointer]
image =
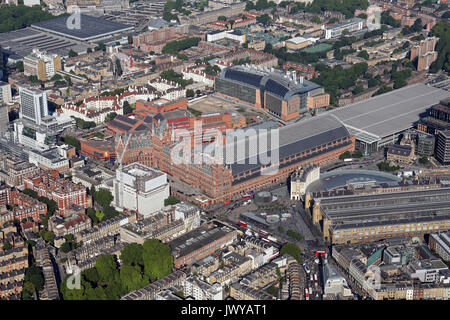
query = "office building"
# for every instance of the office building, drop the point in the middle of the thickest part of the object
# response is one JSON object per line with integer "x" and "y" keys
{"x": 281, "y": 94}
{"x": 41, "y": 64}
{"x": 4, "y": 118}
{"x": 425, "y": 144}
{"x": 5, "y": 92}
{"x": 440, "y": 243}
{"x": 443, "y": 147}
{"x": 353, "y": 24}
{"x": 33, "y": 104}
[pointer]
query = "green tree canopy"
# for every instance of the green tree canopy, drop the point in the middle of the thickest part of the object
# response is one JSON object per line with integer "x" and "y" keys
{"x": 131, "y": 255}
{"x": 291, "y": 249}
{"x": 157, "y": 257}
{"x": 106, "y": 267}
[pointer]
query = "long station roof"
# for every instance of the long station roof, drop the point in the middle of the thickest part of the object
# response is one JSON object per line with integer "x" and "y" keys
{"x": 385, "y": 115}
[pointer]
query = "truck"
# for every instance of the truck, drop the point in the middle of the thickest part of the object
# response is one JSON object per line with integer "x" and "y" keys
{"x": 348, "y": 159}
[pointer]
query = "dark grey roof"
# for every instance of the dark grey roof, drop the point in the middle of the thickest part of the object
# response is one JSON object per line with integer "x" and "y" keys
{"x": 294, "y": 139}
{"x": 90, "y": 27}
{"x": 274, "y": 82}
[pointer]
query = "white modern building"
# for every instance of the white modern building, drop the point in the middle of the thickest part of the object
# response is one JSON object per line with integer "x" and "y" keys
{"x": 302, "y": 178}
{"x": 201, "y": 290}
{"x": 334, "y": 283}
{"x": 33, "y": 104}
{"x": 144, "y": 189}
{"x": 353, "y": 24}
{"x": 225, "y": 34}
{"x": 49, "y": 159}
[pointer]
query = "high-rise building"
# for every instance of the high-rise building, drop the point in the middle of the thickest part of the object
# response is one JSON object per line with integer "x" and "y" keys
{"x": 4, "y": 118}
{"x": 5, "y": 92}
{"x": 33, "y": 104}
{"x": 443, "y": 147}
{"x": 41, "y": 64}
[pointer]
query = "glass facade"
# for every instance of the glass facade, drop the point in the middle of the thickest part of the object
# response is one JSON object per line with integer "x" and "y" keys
{"x": 236, "y": 89}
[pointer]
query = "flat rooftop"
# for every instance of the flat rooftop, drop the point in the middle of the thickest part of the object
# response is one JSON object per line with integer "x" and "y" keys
{"x": 22, "y": 42}
{"x": 90, "y": 27}
{"x": 141, "y": 171}
{"x": 387, "y": 114}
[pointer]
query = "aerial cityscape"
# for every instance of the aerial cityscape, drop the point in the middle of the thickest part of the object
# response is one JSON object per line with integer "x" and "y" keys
{"x": 224, "y": 150}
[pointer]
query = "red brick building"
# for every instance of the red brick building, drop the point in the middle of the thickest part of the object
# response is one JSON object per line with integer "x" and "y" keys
{"x": 325, "y": 139}
{"x": 64, "y": 192}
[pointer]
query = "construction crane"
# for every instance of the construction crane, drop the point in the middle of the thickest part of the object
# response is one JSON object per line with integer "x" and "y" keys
{"x": 120, "y": 159}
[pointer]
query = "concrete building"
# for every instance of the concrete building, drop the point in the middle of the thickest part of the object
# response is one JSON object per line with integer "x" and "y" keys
{"x": 144, "y": 189}
{"x": 5, "y": 92}
{"x": 353, "y": 24}
{"x": 41, "y": 64}
{"x": 302, "y": 178}
{"x": 200, "y": 290}
{"x": 440, "y": 243}
{"x": 49, "y": 160}
{"x": 334, "y": 283}
{"x": 425, "y": 144}
{"x": 33, "y": 104}
{"x": 280, "y": 94}
{"x": 443, "y": 147}
{"x": 200, "y": 243}
{"x": 426, "y": 270}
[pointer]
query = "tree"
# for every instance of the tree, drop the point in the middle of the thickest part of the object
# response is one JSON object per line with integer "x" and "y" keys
{"x": 157, "y": 258}
{"x": 127, "y": 108}
{"x": 222, "y": 18}
{"x": 264, "y": 19}
{"x": 103, "y": 197}
{"x": 176, "y": 46}
{"x": 363, "y": 54}
{"x": 7, "y": 246}
{"x": 291, "y": 249}
{"x": 34, "y": 275}
{"x": 66, "y": 247}
{"x": 249, "y": 6}
{"x": 19, "y": 66}
{"x": 114, "y": 291}
{"x": 106, "y": 267}
{"x": 171, "y": 200}
{"x": 190, "y": 93}
{"x": 423, "y": 160}
{"x": 131, "y": 278}
{"x": 72, "y": 141}
{"x": 91, "y": 275}
{"x": 110, "y": 116}
{"x": 442, "y": 31}
{"x": 72, "y": 53}
{"x": 132, "y": 255}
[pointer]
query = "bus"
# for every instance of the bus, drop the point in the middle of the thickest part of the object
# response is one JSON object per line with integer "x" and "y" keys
{"x": 242, "y": 224}
{"x": 263, "y": 233}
